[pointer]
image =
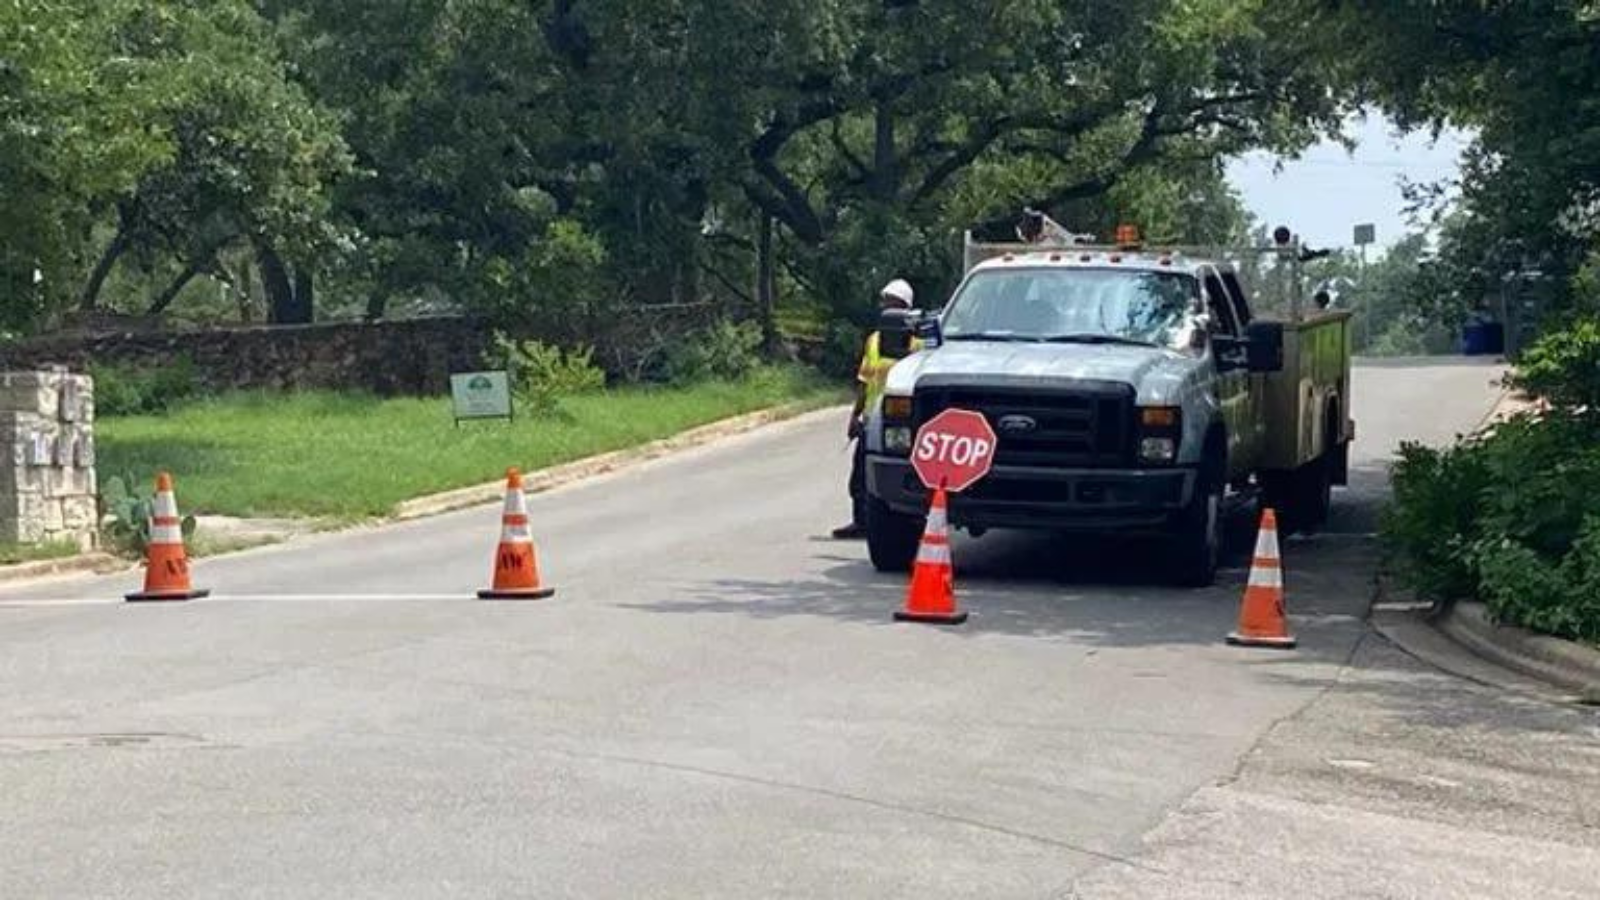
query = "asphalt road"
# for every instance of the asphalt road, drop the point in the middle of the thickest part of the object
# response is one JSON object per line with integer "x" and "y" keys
{"x": 716, "y": 704}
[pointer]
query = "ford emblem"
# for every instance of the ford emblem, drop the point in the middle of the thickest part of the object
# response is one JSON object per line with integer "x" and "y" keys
{"x": 1018, "y": 424}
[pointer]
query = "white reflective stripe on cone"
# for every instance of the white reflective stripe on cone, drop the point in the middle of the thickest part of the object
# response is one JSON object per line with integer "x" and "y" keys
{"x": 1267, "y": 544}
{"x": 166, "y": 505}
{"x": 516, "y": 503}
{"x": 934, "y": 554}
{"x": 1266, "y": 577}
{"x": 515, "y": 534}
{"x": 938, "y": 521}
{"x": 166, "y": 534}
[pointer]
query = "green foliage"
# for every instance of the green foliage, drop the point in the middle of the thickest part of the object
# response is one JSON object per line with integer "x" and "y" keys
{"x": 1434, "y": 516}
{"x": 542, "y": 374}
{"x": 1563, "y": 367}
{"x": 125, "y": 513}
{"x": 13, "y": 554}
{"x": 1511, "y": 518}
{"x": 1558, "y": 596}
{"x": 841, "y": 350}
{"x": 727, "y": 350}
{"x": 151, "y": 133}
{"x": 1518, "y": 76}
{"x": 564, "y": 167}
{"x": 132, "y": 390}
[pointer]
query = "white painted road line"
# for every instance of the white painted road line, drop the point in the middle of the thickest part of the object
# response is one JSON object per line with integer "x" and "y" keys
{"x": 248, "y": 598}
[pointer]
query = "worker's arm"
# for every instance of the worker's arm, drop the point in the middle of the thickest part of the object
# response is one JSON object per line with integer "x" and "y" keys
{"x": 864, "y": 374}
{"x": 859, "y": 410}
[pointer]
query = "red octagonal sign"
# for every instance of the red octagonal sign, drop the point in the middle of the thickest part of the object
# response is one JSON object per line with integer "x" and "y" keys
{"x": 954, "y": 450}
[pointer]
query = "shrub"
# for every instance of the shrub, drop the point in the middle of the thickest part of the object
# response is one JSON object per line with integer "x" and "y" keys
{"x": 726, "y": 351}
{"x": 1438, "y": 497}
{"x": 542, "y": 374}
{"x": 1560, "y": 597}
{"x": 133, "y": 390}
{"x": 1563, "y": 367}
{"x": 125, "y": 511}
{"x": 1511, "y": 518}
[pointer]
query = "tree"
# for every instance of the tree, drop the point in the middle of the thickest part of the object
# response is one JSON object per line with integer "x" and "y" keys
{"x": 75, "y": 128}
{"x": 1523, "y": 76}
{"x": 252, "y": 163}
{"x": 170, "y": 124}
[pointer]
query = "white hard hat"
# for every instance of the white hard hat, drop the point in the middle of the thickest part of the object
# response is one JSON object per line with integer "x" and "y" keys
{"x": 900, "y": 290}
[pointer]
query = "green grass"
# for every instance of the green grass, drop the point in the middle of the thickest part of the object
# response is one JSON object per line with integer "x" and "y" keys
{"x": 352, "y": 456}
{"x": 12, "y": 554}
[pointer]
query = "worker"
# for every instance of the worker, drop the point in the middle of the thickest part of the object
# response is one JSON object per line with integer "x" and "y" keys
{"x": 871, "y": 376}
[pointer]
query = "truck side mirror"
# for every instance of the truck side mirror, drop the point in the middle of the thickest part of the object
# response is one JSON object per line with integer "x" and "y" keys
{"x": 896, "y": 328}
{"x": 1264, "y": 346}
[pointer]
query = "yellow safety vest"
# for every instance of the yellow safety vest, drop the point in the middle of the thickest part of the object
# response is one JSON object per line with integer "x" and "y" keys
{"x": 874, "y": 370}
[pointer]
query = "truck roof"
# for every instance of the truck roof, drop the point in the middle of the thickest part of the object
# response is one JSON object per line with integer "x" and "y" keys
{"x": 1085, "y": 257}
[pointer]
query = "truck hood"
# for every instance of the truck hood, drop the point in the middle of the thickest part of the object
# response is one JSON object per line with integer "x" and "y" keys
{"x": 1157, "y": 375}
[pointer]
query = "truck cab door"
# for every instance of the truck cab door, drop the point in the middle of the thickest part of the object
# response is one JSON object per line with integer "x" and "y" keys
{"x": 1233, "y": 387}
{"x": 1257, "y": 381}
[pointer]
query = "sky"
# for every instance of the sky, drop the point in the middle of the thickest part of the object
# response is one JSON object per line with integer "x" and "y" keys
{"x": 1328, "y": 190}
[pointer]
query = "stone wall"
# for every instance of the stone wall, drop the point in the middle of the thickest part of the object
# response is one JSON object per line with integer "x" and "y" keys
{"x": 402, "y": 357}
{"x": 47, "y": 478}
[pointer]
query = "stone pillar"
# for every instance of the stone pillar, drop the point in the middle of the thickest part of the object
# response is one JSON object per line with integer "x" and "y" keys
{"x": 47, "y": 479}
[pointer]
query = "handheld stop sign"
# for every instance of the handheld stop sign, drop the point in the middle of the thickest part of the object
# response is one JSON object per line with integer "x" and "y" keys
{"x": 954, "y": 450}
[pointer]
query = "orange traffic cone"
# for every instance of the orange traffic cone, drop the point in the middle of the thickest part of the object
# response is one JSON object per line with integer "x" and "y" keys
{"x": 166, "y": 574}
{"x": 516, "y": 563}
{"x": 1262, "y": 622}
{"x": 932, "y": 597}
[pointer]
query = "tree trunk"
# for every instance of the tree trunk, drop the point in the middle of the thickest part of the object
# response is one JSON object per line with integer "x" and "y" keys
{"x": 247, "y": 292}
{"x": 163, "y": 301}
{"x": 305, "y": 295}
{"x": 766, "y": 287}
{"x": 281, "y": 306}
{"x": 377, "y": 305}
{"x": 102, "y": 269}
{"x": 885, "y": 177}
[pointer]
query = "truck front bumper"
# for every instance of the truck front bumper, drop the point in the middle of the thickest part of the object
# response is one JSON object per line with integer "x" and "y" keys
{"x": 1098, "y": 500}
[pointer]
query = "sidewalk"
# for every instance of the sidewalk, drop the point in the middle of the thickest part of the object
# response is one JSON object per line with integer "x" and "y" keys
{"x": 1399, "y": 782}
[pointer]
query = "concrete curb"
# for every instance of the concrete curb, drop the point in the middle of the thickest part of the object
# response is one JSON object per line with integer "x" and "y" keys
{"x": 578, "y": 470}
{"x": 1566, "y": 664}
{"x": 90, "y": 563}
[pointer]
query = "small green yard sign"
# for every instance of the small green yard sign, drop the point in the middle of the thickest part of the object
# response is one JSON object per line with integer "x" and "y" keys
{"x": 480, "y": 395}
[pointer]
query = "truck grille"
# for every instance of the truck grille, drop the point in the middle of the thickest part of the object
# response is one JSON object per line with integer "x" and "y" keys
{"x": 1086, "y": 425}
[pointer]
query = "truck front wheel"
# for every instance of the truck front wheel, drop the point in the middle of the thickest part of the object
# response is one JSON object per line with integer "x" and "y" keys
{"x": 892, "y": 539}
{"x": 1197, "y": 547}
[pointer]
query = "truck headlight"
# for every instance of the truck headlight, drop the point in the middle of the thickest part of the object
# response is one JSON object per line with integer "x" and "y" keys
{"x": 1158, "y": 450}
{"x": 1160, "y": 428}
{"x": 897, "y": 439}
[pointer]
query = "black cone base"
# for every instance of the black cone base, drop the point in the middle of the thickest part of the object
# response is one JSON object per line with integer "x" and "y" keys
{"x": 166, "y": 596}
{"x": 535, "y": 594}
{"x": 901, "y": 615}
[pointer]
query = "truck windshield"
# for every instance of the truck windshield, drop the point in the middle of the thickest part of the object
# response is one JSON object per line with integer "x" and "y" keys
{"x": 1091, "y": 305}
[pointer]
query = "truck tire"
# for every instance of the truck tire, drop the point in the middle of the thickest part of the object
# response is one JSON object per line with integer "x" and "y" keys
{"x": 1313, "y": 489}
{"x": 1197, "y": 547}
{"x": 1302, "y": 498}
{"x": 892, "y": 539}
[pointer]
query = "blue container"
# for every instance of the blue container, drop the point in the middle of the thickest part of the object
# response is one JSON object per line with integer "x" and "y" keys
{"x": 1483, "y": 339}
